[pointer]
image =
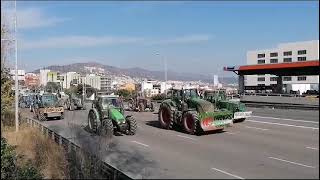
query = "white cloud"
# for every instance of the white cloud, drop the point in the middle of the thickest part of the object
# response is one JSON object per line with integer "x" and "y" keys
{"x": 32, "y": 18}
{"x": 92, "y": 41}
{"x": 76, "y": 42}
{"x": 184, "y": 39}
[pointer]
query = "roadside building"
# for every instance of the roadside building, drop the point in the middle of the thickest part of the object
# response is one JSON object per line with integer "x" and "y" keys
{"x": 284, "y": 53}
{"x": 105, "y": 85}
{"x": 32, "y": 80}
{"x": 44, "y": 76}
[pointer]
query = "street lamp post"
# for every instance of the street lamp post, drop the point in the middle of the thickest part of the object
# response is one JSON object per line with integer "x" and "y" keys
{"x": 165, "y": 72}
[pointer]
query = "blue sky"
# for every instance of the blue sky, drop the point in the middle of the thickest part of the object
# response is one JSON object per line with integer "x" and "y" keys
{"x": 199, "y": 37}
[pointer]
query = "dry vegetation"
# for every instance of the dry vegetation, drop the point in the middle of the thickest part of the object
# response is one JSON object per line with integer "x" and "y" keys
{"x": 46, "y": 155}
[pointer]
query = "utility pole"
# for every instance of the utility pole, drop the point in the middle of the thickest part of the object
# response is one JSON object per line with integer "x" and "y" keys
{"x": 16, "y": 69}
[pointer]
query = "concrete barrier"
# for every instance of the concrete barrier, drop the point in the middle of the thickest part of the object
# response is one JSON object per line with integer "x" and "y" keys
{"x": 281, "y": 100}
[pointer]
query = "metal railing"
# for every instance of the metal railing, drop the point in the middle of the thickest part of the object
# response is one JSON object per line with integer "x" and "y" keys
{"x": 98, "y": 169}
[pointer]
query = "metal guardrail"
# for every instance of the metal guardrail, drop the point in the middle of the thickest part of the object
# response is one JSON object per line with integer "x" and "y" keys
{"x": 272, "y": 94}
{"x": 101, "y": 169}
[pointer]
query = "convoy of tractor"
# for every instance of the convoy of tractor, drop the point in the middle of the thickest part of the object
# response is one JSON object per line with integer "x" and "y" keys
{"x": 193, "y": 111}
{"x": 140, "y": 103}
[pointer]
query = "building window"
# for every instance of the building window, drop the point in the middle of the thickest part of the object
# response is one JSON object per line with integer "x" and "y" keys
{"x": 273, "y": 60}
{"x": 287, "y": 78}
{"x": 287, "y": 59}
{"x": 300, "y": 52}
{"x": 302, "y": 78}
{"x": 275, "y": 54}
{"x": 302, "y": 58}
{"x": 261, "y": 61}
{"x": 261, "y": 55}
{"x": 261, "y": 78}
{"x": 273, "y": 78}
{"x": 287, "y": 53}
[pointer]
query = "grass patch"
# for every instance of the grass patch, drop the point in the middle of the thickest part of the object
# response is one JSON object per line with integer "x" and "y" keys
{"x": 43, "y": 152}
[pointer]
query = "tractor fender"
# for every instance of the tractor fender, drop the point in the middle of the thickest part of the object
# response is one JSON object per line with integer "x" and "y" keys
{"x": 169, "y": 103}
{"x": 95, "y": 111}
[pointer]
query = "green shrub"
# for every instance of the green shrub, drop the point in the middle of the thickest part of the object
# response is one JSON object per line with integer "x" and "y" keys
{"x": 9, "y": 167}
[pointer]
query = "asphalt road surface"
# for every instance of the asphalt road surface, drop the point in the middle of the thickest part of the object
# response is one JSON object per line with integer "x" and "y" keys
{"x": 270, "y": 144}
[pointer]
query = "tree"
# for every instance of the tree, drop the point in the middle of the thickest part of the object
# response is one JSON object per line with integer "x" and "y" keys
{"x": 52, "y": 87}
{"x": 6, "y": 82}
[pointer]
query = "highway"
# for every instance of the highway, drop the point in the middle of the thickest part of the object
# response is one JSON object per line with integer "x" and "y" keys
{"x": 270, "y": 144}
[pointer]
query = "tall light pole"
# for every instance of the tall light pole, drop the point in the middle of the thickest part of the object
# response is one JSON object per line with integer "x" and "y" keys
{"x": 165, "y": 72}
{"x": 16, "y": 68}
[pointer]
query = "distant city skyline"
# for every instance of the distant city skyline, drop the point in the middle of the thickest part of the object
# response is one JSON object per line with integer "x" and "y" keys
{"x": 198, "y": 37}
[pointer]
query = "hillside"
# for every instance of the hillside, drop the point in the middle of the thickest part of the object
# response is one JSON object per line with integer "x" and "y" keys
{"x": 134, "y": 72}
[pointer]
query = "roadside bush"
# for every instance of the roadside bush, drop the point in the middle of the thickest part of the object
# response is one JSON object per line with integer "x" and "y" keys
{"x": 9, "y": 165}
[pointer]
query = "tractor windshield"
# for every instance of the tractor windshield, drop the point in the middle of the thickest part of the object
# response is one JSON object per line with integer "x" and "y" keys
{"x": 49, "y": 100}
{"x": 111, "y": 101}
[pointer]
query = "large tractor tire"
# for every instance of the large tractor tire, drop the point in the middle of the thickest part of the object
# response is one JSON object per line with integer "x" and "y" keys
{"x": 93, "y": 121}
{"x": 239, "y": 120}
{"x": 141, "y": 107}
{"x": 41, "y": 117}
{"x": 151, "y": 107}
{"x": 166, "y": 116}
{"x": 106, "y": 128}
{"x": 191, "y": 123}
{"x": 132, "y": 125}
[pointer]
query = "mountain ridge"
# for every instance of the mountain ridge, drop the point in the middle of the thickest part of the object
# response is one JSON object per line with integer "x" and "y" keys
{"x": 134, "y": 72}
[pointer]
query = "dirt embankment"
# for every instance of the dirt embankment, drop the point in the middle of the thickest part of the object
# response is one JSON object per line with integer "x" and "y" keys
{"x": 45, "y": 154}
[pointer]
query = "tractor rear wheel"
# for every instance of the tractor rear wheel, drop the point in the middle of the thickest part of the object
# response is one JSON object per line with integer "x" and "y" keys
{"x": 92, "y": 121}
{"x": 106, "y": 128}
{"x": 141, "y": 107}
{"x": 191, "y": 123}
{"x": 132, "y": 125}
{"x": 165, "y": 117}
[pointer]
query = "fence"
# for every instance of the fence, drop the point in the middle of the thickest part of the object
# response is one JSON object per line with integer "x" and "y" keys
{"x": 82, "y": 164}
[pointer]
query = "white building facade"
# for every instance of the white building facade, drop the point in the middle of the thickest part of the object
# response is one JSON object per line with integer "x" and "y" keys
{"x": 285, "y": 53}
{"x": 44, "y": 76}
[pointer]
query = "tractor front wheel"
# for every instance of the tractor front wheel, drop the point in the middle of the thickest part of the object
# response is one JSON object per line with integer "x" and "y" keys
{"x": 92, "y": 121}
{"x": 239, "y": 120}
{"x": 106, "y": 128}
{"x": 165, "y": 117}
{"x": 42, "y": 117}
{"x": 132, "y": 125}
{"x": 191, "y": 123}
{"x": 141, "y": 107}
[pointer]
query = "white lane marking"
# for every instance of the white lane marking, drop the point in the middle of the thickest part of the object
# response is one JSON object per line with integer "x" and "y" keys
{"x": 186, "y": 137}
{"x": 285, "y": 119}
{"x": 312, "y": 148}
{"x": 257, "y": 128}
{"x": 227, "y": 173}
{"x": 140, "y": 143}
{"x": 292, "y": 162}
{"x": 290, "y": 125}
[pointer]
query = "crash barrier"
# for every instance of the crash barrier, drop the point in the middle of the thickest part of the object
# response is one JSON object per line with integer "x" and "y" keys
{"x": 83, "y": 165}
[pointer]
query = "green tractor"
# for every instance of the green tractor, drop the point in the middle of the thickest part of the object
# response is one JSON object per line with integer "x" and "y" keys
{"x": 107, "y": 116}
{"x": 220, "y": 100}
{"x": 186, "y": 109}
